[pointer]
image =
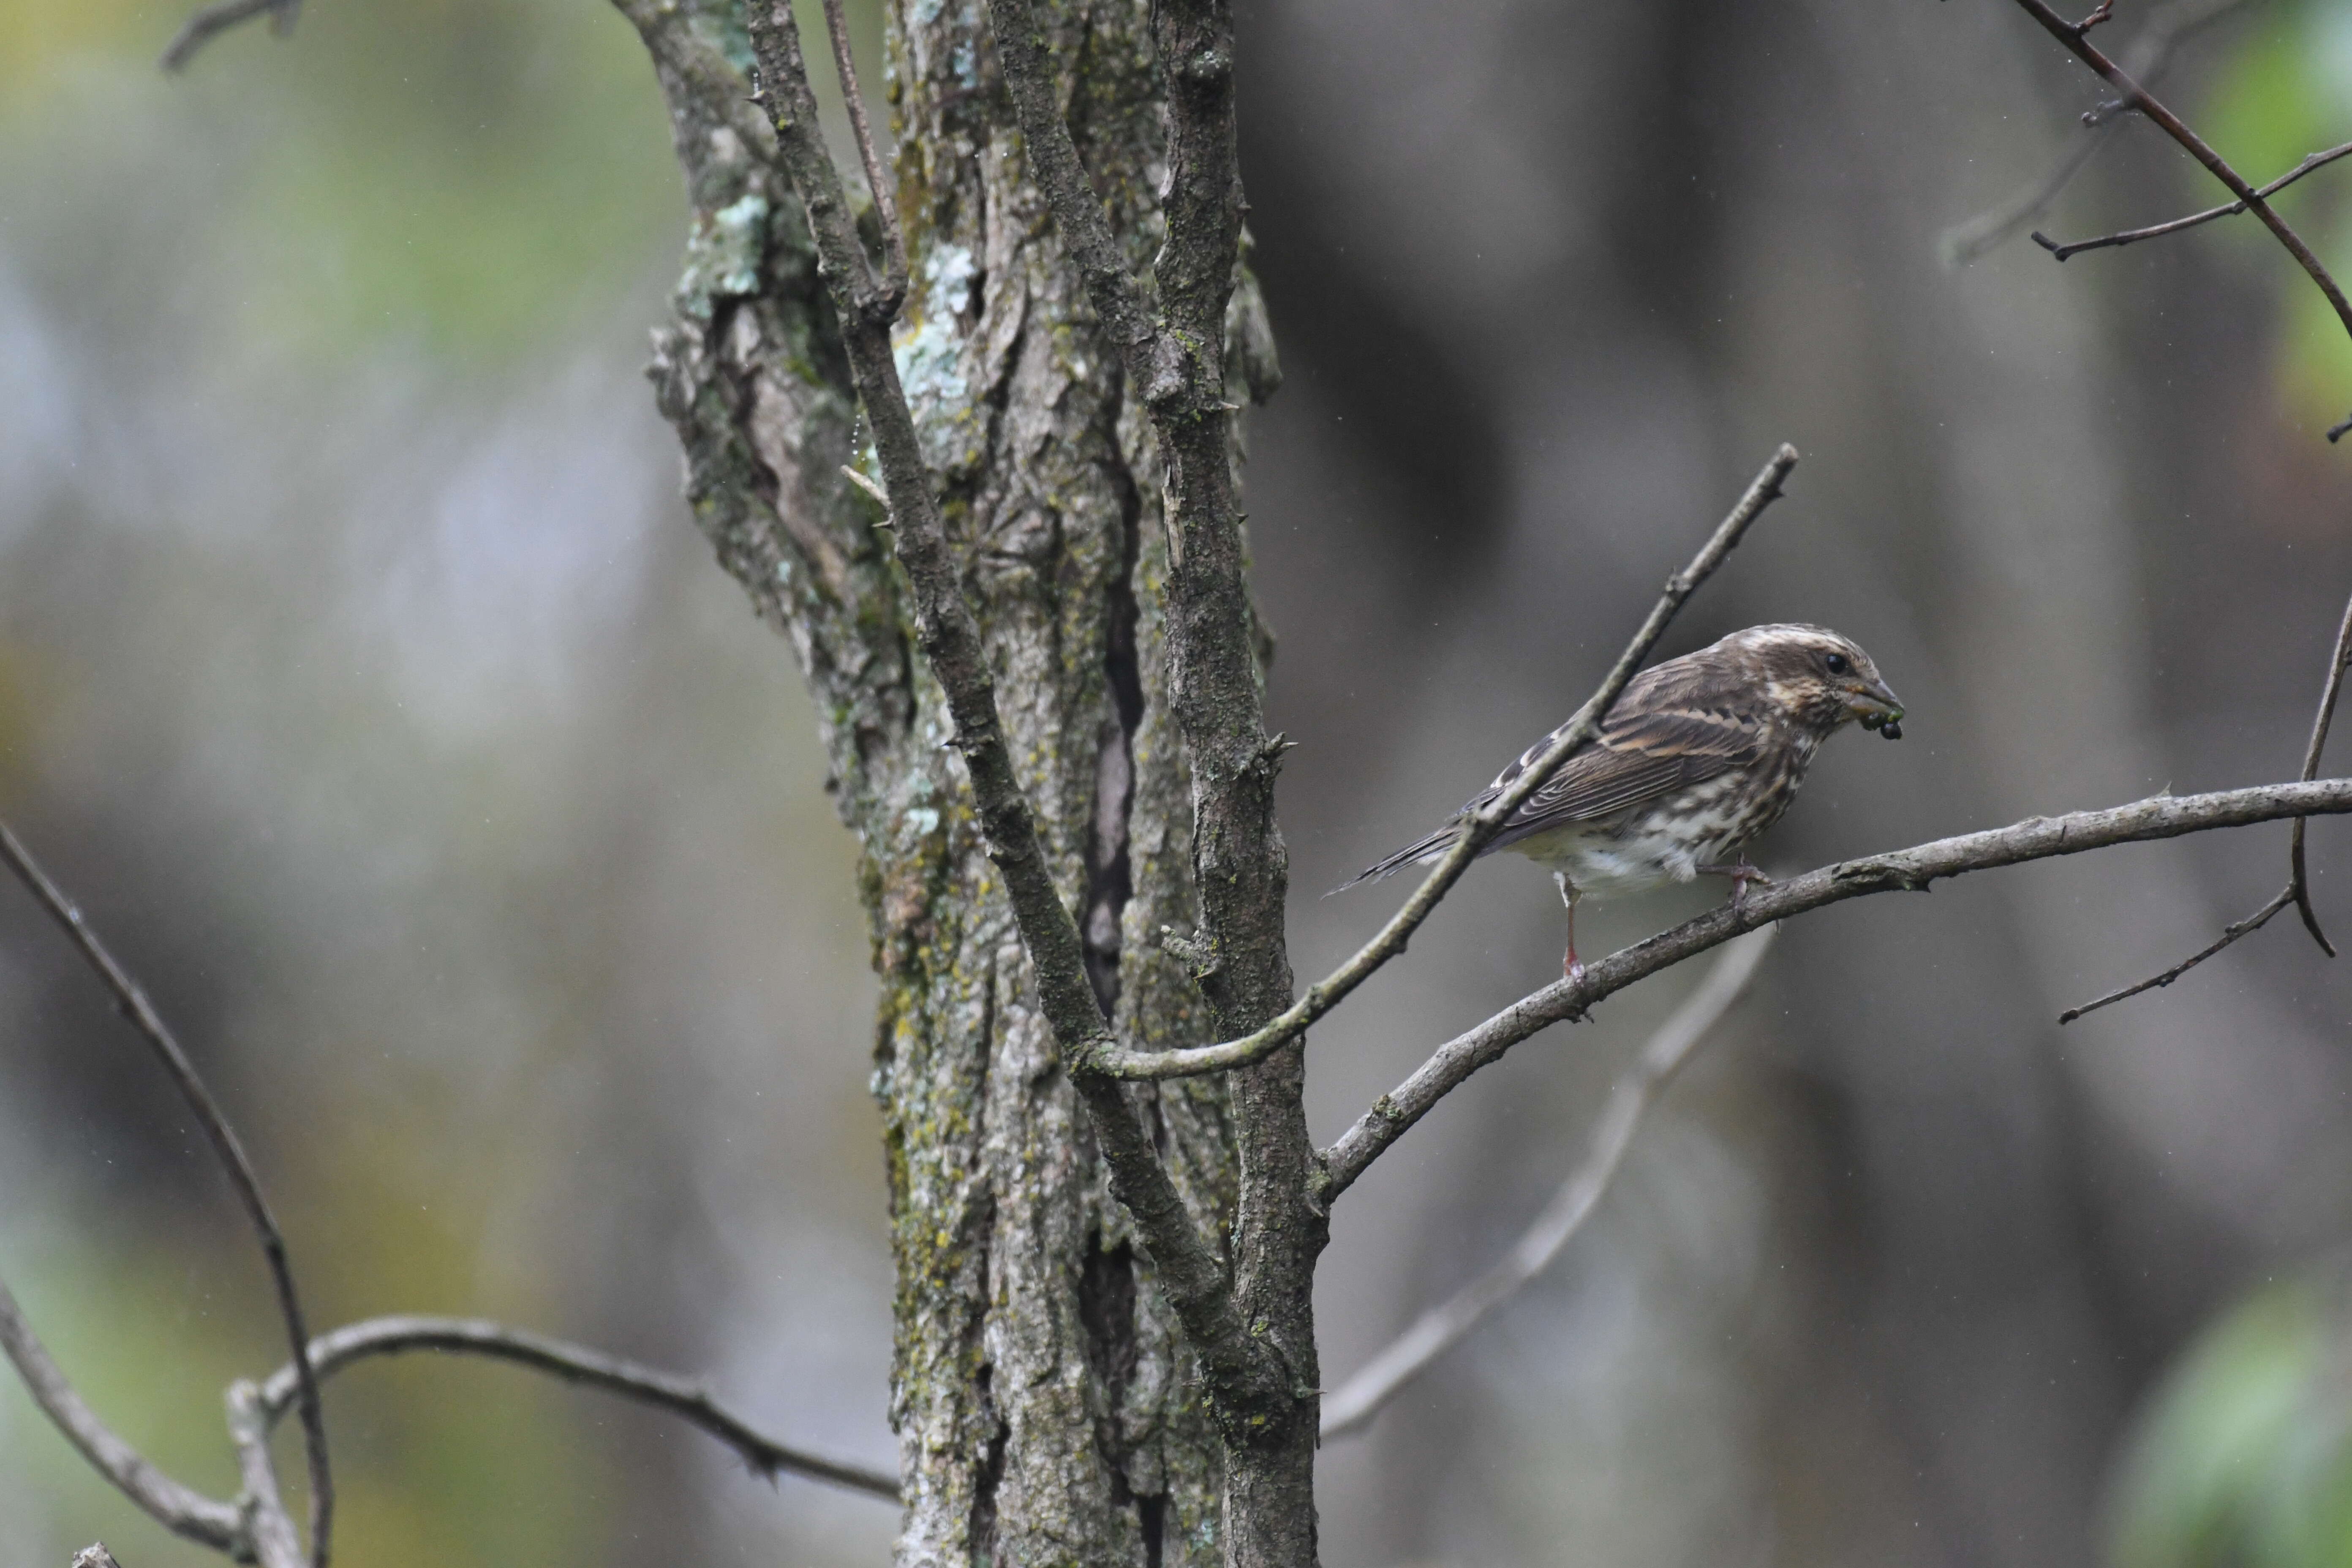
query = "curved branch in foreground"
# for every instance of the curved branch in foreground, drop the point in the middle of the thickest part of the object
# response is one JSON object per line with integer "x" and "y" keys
{"x": 330, "y": 1352}
{"x": 180, "y": 1509}
{"x": 132, "y": 1002}
{"x": 1911, "y": 870}
{"x": 1481, "y": 826}
{"x": 1439, "y": 1330}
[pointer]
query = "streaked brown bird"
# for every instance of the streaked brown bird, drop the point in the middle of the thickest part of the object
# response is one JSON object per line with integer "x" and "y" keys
{"x": 1700, "y": 756}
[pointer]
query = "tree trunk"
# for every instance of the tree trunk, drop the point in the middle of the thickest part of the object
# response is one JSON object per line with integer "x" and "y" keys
{"x": 1044, "y": 1403}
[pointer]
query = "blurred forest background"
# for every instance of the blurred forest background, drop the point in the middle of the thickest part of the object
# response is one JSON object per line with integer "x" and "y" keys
{"x": 360, "y": 672}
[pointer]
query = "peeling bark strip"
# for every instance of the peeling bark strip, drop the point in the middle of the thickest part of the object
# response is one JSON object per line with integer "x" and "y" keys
{"x": 1038, "y": 1421}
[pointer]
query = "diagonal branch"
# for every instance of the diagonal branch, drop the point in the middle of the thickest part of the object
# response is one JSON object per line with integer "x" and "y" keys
{"x": 1239, "y": 1370}
{"x": 1445, "y": 1326}
{"x": 132, "y": 1002}
{"x": 215, "y": 19}
{"x": 2151, "y": 50}
{"x": 179, "y": 1508}
{"x": 2074, "y": 37}
{"x": 2297, "y": 891}
{"x": 1910, "y": 870}
{"x": 886, "y": 206}
{"x": 1481, "y": 826}
{"x": 2157, "y": 231}
{"x": 766, "y": 1455}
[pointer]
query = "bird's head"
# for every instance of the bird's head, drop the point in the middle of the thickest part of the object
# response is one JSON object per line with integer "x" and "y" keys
{"x": 1819, "y": 678}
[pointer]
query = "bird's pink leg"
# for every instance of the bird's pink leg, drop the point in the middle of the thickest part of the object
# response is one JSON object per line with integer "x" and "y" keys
{"x": 1741, "y": 873}
{"x": 1571, "y": 966}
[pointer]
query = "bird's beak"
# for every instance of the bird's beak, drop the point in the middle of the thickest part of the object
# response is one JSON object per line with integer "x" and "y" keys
{"x": 1877, "y": 709}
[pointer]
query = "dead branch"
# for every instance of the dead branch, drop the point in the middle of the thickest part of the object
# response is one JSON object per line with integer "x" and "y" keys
{"x": 2150, "y": 52}
{"x": 1907, "y": 870}
{"x": 886, "y": 206}
{"x": 1443, "y": 1327}
{"x": 2157, "y": 231}
{"x": 180, "y": 1509}
{"x": 132, "y": 1003}
{"x": 216, "y": 19}
{"x": 1482, "y": 826}
{"x": 2072, "y": 37}
{"x": 766, "y": 1455}
{"x": 268, "y": 1528}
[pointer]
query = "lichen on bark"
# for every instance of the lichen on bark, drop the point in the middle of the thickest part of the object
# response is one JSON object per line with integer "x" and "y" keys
{"x": 1046, "y": 1406}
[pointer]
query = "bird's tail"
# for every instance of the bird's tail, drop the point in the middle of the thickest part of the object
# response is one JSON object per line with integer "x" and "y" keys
{"x": 1419, "y": 850}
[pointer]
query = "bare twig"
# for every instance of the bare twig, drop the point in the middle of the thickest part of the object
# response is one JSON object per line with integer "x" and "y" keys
{"x": 1481, "y": 827}
{"x": 1443, "y": 1327}
{"x": 95, "y": 1555}
{"x": 766, "y": 1456}
{"x": 2297, "y": 891}
{"x": 179, "y": 1508}
{"x": 886, "y": 206}
{"x": 2070, "y": 35}
{"x": 1243, "y": 1374}
{"x": 132, "y": 1003}
{"x": 2134, "y": 235}
{"x": 2247, "y": 926}
{"x": 267, "y": 1526}
{"x": 200, "y": 28}
{"x": 1912, "y": 869}
{"x": 2151, "y": 50}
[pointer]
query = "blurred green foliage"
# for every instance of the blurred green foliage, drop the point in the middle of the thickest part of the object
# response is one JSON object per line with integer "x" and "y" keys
{"x": 2285, "y": 91}
{"x": 2244, "y": 1456}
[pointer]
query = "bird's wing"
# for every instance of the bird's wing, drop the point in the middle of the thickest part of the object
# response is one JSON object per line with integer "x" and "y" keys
{"x": 1640, "y": 756}
{"x": 1665, "y": 733}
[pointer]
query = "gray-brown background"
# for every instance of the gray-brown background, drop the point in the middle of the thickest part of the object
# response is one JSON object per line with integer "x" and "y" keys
{"x": 359, "y": 671}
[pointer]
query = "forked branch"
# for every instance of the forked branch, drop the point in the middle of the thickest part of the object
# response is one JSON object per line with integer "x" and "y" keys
{"x": 2158, "y": 231}
{"x": 1481, "y": 826}
{"x": 178, "y": 1508}
{"x": 2151, "y": 50}
{"x": 132, "y": 1002}
{"x": 2297, "y": 891}
{"x": 1905, "y": 870}
{"x": 1443, "y": 1327}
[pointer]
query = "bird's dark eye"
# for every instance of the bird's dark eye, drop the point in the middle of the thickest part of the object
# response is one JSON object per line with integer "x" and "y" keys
{"x": 1838, "y": 663}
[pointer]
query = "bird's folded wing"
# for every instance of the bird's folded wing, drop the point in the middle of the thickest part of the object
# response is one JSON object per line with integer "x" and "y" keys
{"x": 1639, "y": 757}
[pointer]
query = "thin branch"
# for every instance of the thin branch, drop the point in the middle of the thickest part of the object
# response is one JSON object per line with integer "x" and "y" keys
{"x": 1480, "y": 826}
{"x": 2072, "y": 35}
{"x": 267, "y": 1525}
{"x": 2134, "y": 235}
{"x": 766, "y": 1455}
{"x": 200, "y": 28}
{"x": 2151, "y": 50}
{"x": 1242, "y": 1373}
{"x": 2298, "y": 877}
{"x": 1912, "y": 869}
{"x": 2297, "y": 891}
{"x": 179, "y": 1508}
{"x": 132, "y": 1003}
{"x": 691, "y": 68}
{"x": 885, "y": 207}
{"x": 1443, "y": 1327}
{"x": 2247, "y": 926}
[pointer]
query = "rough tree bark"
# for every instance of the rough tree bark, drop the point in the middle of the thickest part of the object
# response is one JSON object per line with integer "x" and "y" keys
{"x": 1044, "y": 1403}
